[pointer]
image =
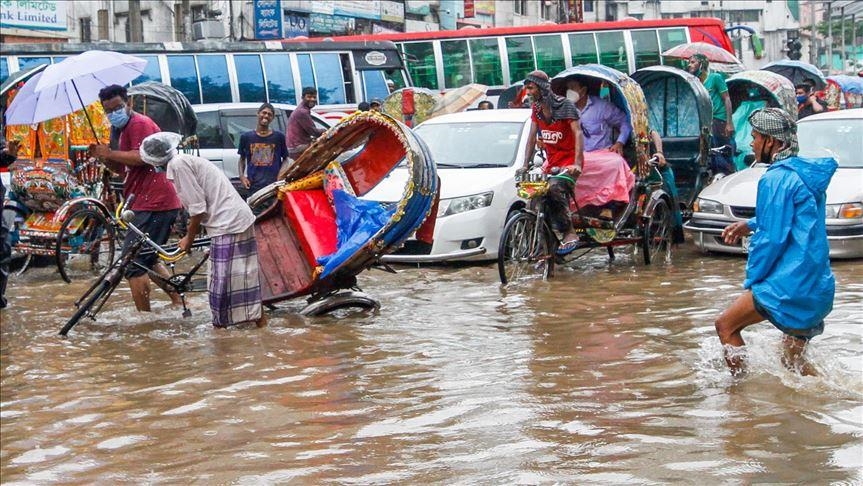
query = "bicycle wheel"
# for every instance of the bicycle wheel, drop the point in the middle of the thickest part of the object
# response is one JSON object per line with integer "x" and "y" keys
{"x": 526, "y": 249}
{"x": 100, "y": 294}
{"x": 656, "y": 236}
{"x": 85, "y": 244}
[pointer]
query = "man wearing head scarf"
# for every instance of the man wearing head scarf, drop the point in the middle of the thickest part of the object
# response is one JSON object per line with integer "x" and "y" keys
{"x": 788, "y": 278}
{"x": 723, "y": 126}
{"x": 554, "y": 124}
{"x": 206, "y": 192}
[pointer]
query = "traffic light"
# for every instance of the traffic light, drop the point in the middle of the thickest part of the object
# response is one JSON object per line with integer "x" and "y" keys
{"x": 794, "y": 46}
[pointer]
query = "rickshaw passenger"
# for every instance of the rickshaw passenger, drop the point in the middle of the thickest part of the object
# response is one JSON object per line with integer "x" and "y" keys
{"x": 743, "y": 132}
{"x": 156, "y": 204}
{"x": 554, "y": 123}
{"x": 606, "y": 179}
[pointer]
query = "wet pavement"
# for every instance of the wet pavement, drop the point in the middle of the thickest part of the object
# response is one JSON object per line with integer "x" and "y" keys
{"x": 607, "y": 374}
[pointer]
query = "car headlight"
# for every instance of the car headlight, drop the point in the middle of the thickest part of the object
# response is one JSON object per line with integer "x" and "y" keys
{"x": 448, "y": 207}
{"x": 707, "y": 206}
{"x": 845, "y": 211}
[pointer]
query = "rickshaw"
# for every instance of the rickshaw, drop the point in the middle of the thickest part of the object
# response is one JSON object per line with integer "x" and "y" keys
{"x": 679, "y": 110}
{"x": 315, "y": 233}
{"x": 529, "y": 246}
{"x": 753, "y": 90}
{"x": 89, "y": 227}
{"x": 843, "y": 92}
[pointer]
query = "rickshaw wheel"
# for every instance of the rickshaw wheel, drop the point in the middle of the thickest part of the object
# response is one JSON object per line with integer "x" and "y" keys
{"x": 522, "y": 252}
{"x": 656, "y": 235}
{"x": 85, "y": 244}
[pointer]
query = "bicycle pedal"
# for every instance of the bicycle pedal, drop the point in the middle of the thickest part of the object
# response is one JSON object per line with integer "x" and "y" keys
{"x": 187, "y": 313}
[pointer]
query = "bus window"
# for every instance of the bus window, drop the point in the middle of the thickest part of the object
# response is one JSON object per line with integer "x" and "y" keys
{"x": 374, "y": 85}
{"x": 56, "y": 59}
{"x": 549, "y": 54}
{"x": 420, "y": 60}
{"x": 151, "y": 72}
{"x": 307, "y": 74}
{"x": 612, "y": 50}
{"x": 456, "y": 63}
{"x": 184, "y": 77}
{"x": 280, "y": 79}
{"x": 25, "y": 62}
{"x": 396, "y": 77}
{"x": 330, "y": 82}
{"x": 486, "y": 62}
{"x": 645, "y": 46}
{"x": 669, "y": 38}
{"x": 520, "y": 53}
{"x": 583, "y": 49}
{"x": 250, "y": 78}
{"x": 215, "y": 86}
{"x": 4, "y": 69}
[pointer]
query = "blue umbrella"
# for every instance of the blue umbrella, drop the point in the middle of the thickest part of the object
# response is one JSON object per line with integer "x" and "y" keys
{"x": 848, "y": 84}
{"x": 797, "y": 72}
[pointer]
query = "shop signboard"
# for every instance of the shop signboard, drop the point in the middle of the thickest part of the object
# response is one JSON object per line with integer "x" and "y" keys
{"x": 33, "y": 14}
{"x": 268, "y": 19}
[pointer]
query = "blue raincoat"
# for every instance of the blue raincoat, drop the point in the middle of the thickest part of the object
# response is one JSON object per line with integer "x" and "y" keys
{"x": 788, "y": 269}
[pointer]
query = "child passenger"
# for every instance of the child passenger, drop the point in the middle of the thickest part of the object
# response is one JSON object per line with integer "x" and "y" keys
{"x": 207, "y": 194}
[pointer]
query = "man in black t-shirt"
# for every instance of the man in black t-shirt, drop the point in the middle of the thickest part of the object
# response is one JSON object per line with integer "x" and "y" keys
{"x": 263, "y": 153}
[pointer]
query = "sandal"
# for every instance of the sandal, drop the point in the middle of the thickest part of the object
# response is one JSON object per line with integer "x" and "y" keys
{"x": 567, "y": 247}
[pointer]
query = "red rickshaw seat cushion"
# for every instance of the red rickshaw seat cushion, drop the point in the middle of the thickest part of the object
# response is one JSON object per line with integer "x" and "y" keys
{"x": 314, "y": 221}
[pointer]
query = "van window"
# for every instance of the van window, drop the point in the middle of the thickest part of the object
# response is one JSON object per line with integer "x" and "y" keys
{"x": 549, "y": 53}
{"x": 250, "y": 78}
{"x": 520, "y": 52}
{"x": 374, "y": 85}
{"x": 420, "y": 60}
{"x": 215, "y": 86}
{"x": 184, "y": 77}
{"x": 456, "y": 63}
{"x": 280, "y": 79}
{"x": 486, "y": 62}
{"x": 151, "y": 72}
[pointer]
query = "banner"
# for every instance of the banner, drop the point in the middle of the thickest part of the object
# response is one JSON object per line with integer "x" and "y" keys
{"x": 33, "y": 14}
{"x": 392, "y": 11}
{"x": 268, "y": 19}
{"x": 363, "y": 9}
{"x": 483, "y": 7}
{"x": 468, "y": 9}
{"x": 296, "y": 25}
{"x": 330, "y": 24}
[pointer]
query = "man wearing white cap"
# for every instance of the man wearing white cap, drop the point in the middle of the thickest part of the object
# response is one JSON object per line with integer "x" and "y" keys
{"x": 207, "y": 194}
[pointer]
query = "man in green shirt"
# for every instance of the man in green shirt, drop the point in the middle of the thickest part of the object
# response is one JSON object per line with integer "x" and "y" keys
{"x": 723, "y": 127}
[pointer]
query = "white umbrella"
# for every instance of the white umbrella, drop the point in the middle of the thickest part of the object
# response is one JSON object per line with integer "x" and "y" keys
{"x": 71, "y": 85}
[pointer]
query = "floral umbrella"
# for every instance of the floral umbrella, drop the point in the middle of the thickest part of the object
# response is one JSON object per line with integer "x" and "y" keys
{"x": 713, "y": 53}
{"x": 459, "y": 99}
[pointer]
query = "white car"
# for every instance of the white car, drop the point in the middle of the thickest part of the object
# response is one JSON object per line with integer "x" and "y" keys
{"x": 838, "y": 134}
{"x": 221, "y": 124}
{"x": 477, "y": 154}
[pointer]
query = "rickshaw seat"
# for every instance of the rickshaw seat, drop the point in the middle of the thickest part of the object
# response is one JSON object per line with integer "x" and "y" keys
{"x": 314, "y": 221}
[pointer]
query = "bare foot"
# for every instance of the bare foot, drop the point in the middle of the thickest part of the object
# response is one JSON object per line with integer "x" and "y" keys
{"x": 262, "y": 322}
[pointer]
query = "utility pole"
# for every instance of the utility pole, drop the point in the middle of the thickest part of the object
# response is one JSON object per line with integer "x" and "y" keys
{"x": 813, "y": 39}
{"x": 829, "y": 38}
{"x": 136, "y": 33}
{"x": 231, "y": 21}
{"x": 844, "y": 51}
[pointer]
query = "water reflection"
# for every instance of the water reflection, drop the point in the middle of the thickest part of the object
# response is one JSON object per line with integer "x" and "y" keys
{"x": 606, "y": 374}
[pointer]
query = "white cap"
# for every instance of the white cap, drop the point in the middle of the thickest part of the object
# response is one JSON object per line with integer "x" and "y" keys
{"x": 159, "y": 148}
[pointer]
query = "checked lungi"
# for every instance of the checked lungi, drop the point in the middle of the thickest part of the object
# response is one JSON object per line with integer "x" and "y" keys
{"x": 234, "y": 282}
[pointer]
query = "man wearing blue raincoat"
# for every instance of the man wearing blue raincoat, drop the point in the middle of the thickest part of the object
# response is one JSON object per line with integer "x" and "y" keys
{"x": 788, "y": 277}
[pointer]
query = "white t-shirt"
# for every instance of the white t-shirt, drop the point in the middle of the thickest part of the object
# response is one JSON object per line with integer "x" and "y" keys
{"x": 204, "y": 188}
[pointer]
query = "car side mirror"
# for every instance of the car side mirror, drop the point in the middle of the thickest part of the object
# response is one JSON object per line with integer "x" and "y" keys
{"x": 749, "y": 159}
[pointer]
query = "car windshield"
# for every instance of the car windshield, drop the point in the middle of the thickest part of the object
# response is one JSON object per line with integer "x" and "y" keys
{"x": 840, "y": 139}
{"x": 472, "y": 144}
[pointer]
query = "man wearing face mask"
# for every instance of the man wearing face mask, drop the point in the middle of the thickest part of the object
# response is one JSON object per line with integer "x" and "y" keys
{"x": 722, "y": 129}
{"x": 807, "y": 103}
{"x": 156, "y": 205}
{"x": 788, "y": 278}
{"x": 301, "y": 128}
{"x": 598, "y": 119}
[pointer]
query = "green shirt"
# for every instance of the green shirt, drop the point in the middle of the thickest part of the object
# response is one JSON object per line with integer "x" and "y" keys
{"x": 715, "y": 84}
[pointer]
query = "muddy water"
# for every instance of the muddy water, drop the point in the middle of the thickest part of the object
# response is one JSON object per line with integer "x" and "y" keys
{"x": 608, "y": 374}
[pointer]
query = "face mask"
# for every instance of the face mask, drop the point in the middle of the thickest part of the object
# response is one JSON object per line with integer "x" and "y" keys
{"x": 801, "y": 98}
{"x": 572, "y": 95}
{"x": 604, "y": 92}
{"x": 118, "y": 118}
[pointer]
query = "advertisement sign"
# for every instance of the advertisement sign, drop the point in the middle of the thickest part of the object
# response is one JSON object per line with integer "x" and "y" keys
{"x": 330, "y": 24}
{"x": 392, "y": 11}
{"x": 363, "y": 9}
{"x": 33, "y": 14}
{"x": 483, "y": 7}
{"x": 268, "y": 19}
{"x": 417, "y": 7}
{"x": 468, "y": 9}
{"x": 296, "y": 25}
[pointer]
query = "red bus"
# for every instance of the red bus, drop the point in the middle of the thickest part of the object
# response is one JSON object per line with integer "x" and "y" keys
{"x": 499, "y": 57}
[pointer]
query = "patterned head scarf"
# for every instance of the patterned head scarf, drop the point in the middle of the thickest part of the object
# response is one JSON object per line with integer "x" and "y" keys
{"x": 561, "y": 108}
{"x": 778, "y": 124}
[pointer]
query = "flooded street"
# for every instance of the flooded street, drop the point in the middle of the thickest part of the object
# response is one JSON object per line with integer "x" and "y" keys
{"x": 607, "y": 374}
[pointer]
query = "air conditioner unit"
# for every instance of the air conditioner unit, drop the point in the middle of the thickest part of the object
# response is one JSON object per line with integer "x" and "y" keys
{"x": 208, "y": 29}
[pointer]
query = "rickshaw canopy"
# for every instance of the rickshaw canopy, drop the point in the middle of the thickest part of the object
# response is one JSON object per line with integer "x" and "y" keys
{"x": 775, "y": 88}
{"x": 166, "y": 106}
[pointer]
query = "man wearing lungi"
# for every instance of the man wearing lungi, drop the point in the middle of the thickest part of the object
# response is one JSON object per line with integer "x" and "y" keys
{"x": 207, "y": 194}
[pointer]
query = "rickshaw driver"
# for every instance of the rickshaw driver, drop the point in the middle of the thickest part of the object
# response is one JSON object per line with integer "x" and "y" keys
{"x": 156, "y": 204}
{"x": 722, "y": 129}
{"x": 555, "y": 119}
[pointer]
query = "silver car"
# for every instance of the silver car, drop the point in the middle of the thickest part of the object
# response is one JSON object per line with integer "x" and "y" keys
{"x": 838, "y": 134}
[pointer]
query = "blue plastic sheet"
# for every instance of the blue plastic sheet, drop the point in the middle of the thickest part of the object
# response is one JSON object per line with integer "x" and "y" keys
{"x": 743, "y": 130}
{"x": 357, "y": 221}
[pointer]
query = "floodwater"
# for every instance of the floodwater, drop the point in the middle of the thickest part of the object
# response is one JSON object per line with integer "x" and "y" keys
{"x": 608, "y": 374}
